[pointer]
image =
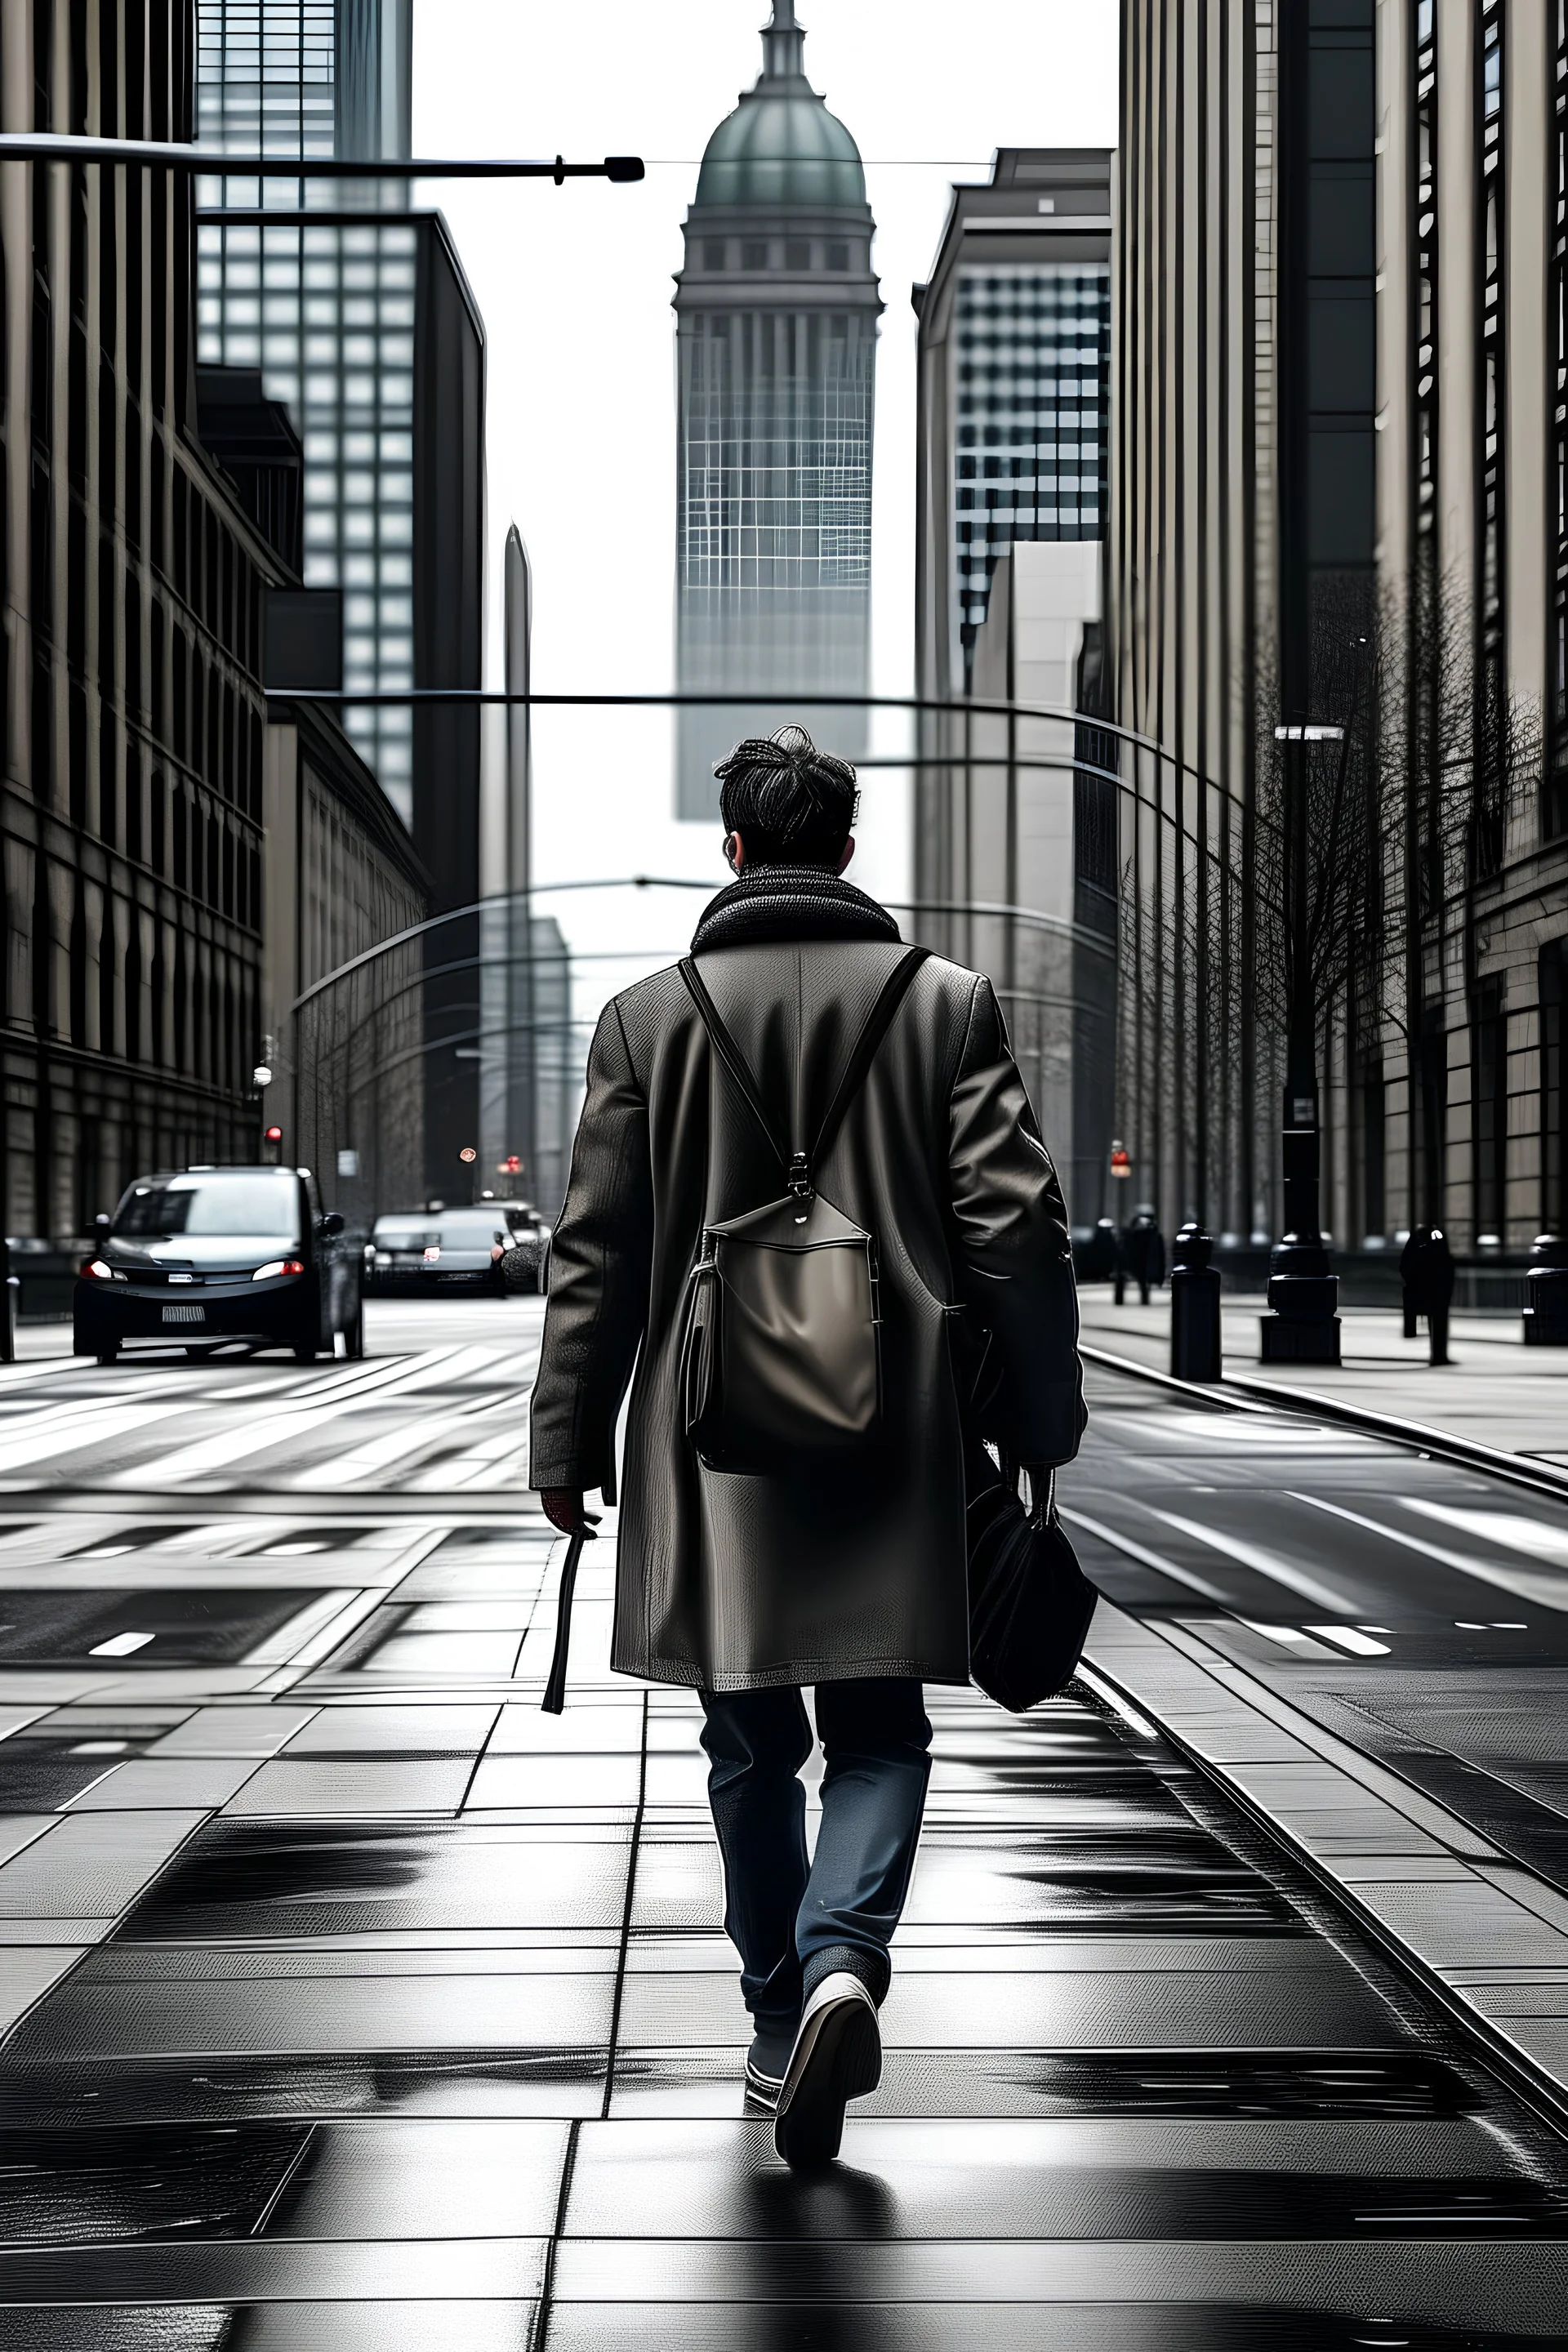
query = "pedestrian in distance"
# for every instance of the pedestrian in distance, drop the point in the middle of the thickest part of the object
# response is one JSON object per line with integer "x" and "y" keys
{"x": 1096, "y": 1260}
{"x": 1427, "y": 1273}
{"x": 805, "y": 1112}
{"x": 1144, "y": 1254}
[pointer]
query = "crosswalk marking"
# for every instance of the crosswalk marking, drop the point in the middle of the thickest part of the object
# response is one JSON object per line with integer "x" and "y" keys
{"x": 97, "y": 1426}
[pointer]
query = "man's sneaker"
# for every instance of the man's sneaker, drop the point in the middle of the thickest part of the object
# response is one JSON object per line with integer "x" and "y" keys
{"x": 766, "y": 2062}
{"x": 837, "y": 2056}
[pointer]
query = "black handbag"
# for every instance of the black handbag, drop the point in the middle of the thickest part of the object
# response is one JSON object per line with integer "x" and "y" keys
{"x": 1029, "y": 1601}
{"x": 781, "y": 1350}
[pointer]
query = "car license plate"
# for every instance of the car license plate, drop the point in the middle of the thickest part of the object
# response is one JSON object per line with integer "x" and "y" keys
{"x": 185, "y": 1314}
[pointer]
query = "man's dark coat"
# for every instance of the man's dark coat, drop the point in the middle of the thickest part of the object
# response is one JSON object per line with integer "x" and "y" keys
{"x": 732, "y": 1581}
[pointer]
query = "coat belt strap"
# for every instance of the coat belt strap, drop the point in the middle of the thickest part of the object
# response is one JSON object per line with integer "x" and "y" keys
{"x": 555, "y": 1697}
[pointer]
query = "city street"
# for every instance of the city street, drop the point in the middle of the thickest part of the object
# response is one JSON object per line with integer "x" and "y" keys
{"x": 350, "y": 1999}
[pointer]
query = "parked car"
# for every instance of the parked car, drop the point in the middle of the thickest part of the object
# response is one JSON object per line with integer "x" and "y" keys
{"x": 421, "y": 1253}
{"x": 199, "y": 1255}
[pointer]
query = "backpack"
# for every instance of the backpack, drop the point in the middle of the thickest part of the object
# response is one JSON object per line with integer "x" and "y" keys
{"x": 779, "y": 1352}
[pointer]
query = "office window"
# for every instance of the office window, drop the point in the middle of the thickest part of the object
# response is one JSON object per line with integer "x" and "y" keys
{"x": 1033, "y": 360}
{"x": 1489, "y": 1113}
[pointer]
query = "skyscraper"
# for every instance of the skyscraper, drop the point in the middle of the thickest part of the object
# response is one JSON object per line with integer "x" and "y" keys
{"x": 776, "y": 313}
{"x": 357, "y": 313}
{"x": 1012, "y": 441}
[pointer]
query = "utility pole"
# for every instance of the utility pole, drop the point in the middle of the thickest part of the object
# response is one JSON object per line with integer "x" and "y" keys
{"x": 1303, "y": 1326}
{"x": 523, "y": 1043}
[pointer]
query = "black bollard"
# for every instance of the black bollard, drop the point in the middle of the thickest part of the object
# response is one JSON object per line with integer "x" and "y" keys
{"x": 1197, "y": 1349}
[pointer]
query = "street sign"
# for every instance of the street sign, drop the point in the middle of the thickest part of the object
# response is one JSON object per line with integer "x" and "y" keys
{"x": 468, "y": 1155}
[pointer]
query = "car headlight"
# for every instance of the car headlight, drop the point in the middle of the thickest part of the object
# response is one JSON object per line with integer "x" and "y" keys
{"x": 384, "y": 1258}
{"x": 276, "y": 1265}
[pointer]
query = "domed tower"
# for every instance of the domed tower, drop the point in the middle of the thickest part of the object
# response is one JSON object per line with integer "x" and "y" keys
{"x": 776, "y": 314}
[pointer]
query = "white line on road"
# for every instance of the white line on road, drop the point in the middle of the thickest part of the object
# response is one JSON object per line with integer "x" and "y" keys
{"x": 1266, "y": 1563}
{"x": 1507, "y": 1528}
{"x": 1547, "y": 1591}
{"x": 1148, "y": 1559}
{"x": 99, "y": 1426}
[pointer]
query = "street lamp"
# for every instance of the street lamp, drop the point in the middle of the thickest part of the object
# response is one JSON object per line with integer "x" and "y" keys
{"x": 1303, "y": 1325}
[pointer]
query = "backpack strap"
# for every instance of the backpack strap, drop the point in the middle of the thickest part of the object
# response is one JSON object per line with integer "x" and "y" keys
{"x": 875, "y": 1028}
{"x": 878, "y": 1022}
{"x": 728, "y": 1053}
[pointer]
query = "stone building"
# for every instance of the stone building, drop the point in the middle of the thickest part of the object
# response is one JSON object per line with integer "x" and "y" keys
{"x": 132, "y": 722}
{"x": 146, "y": 570}
{"x": 1337, "y": 501}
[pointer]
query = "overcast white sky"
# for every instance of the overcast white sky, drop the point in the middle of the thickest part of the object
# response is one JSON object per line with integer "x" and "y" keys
{"x": 574, "y": 286}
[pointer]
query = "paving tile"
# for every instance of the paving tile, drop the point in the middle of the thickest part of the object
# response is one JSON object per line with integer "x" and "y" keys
{"x": 1318, "y": 2007}
{"x": 340, "y": 1787}
{"x": 180, "y": 1783}
{"x": 533, "y": 1780}
{"x": 27, "y": 1971}
{"x": 1086, "y": 2179}
{"x": 599, "y": 1729}
{"x": 405, "y": 1730}
{"x": 259, "y": 2270}
{"x": 1455, "y": 2284}
{"x": 91, "y": 1863}
{"x": 303, "y": 1878}
{"x": 282, "y": 2015}
{"x": 304, "y": 2327}
{"x": 234, "y": 1731}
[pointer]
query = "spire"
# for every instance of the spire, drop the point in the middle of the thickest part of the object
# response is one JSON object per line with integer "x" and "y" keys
{"x": 784, "y": 45}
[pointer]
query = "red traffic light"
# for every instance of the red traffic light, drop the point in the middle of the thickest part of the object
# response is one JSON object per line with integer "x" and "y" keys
{"x": 275, "y": 1135}
{"x": 511, "y": 1166}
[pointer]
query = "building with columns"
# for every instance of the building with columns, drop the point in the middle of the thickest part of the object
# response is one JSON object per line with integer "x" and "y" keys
{"x": 1338, "y": 492}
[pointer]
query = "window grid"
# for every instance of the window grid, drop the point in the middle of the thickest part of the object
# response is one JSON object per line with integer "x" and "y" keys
{"x": 1032, "y": 362}
{"x": 1487, "y": 826}
{"x": 1554, "y": 807}
{"x": 776, "y": 457}
{"x": 327, "y": 313}
{"x": 1426, "y": 666}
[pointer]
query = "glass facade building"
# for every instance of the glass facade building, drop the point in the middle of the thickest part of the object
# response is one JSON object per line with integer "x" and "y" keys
{"x": 1015, "y": 818}
{"x": 325, "y": 308}
{"x": 1031, "y": 362}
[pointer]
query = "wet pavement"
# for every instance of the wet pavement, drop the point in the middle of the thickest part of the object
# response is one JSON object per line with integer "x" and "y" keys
{"x": 352, "y": 2001}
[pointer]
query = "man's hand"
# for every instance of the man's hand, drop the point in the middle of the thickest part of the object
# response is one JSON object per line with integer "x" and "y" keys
{"x": 564, "y": 1507}
{"x": 1041, "y": 1476}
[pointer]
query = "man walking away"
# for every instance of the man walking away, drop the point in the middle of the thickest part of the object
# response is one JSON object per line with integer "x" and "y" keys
{"x": 1144, "y": 1245}
{"x": 849, "y": 1580}
{"x": 1426, "y": 1274}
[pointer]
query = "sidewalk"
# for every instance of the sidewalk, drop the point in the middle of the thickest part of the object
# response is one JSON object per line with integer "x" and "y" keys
{"x": 1495, "y": 1392}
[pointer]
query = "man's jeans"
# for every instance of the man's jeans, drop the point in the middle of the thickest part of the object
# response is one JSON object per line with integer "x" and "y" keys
{"x": 794, "y": 1922}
